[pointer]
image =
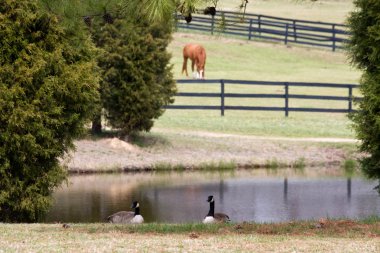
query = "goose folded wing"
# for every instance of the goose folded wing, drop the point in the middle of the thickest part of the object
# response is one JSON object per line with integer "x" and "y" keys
{"x": 121, "y": 217}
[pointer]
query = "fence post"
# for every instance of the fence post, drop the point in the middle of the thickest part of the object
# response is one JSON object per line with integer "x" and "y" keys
{"x": 212, "y": 24}
{"x": 350, "y": 99}
{"x": 250, "y": 29}
{"x": 295, "y": 30}
{"x": 222, "y": 97}
{"x": 286, "y": 34}
{"x": 259, "y": 24}
{"x": 333, "y": 37}
{"x": 286, "y": 99}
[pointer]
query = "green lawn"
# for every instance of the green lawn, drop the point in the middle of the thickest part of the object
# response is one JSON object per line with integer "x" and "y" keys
{"x": 258, "y": 123}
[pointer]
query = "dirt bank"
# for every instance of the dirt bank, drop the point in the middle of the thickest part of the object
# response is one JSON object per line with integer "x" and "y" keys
{"x": 194, "y": 149}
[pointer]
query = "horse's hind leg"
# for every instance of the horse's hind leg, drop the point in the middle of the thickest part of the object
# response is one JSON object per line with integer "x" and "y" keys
{"x": 184, "y": 66}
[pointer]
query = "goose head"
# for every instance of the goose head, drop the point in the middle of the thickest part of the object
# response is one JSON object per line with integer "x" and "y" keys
{"x": 135, "y": 204}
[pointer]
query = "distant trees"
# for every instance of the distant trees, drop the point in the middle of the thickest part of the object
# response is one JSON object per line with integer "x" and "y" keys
{"x": 48, "y": 88}
{"x": 364, "y": 49}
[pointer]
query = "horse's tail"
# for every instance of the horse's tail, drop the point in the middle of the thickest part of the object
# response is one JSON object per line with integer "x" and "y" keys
{"x": 184, "y": 66}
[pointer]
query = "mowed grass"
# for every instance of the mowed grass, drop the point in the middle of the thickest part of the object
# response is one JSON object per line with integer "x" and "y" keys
{"x": 237, "y": 59}
{"x": 258, "y": 123}
{"x": 332, "y": 236}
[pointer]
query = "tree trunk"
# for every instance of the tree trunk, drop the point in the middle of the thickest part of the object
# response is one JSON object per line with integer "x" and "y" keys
{"x": 97, "y": 124}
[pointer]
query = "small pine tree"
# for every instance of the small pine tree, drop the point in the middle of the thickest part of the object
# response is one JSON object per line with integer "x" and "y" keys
{"x": 48, "y": 86}
{"x": 136, "y": 76}
{"x": 364, "y": 50}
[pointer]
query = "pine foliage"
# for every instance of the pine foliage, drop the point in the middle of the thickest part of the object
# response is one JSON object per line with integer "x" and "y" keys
{"x": 48, "y": 86}
{"x": 136, "y": 76}
{"x": 364, "y": 50}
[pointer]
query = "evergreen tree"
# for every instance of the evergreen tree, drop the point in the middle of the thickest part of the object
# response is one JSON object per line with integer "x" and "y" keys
{"x": 136, "y": 76}
{"x": 48, "y": 87}
{"x": 364, "y": 50}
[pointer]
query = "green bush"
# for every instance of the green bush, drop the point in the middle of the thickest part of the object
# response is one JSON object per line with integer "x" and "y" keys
{"x": 364, "y": 50}
{"x": 136, "y": 76}
{"x": 48, "y": 86}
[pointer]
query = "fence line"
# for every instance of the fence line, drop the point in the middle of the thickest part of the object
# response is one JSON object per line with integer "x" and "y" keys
{"x": 256, "y": 26}
{"x": 286, "y": 96}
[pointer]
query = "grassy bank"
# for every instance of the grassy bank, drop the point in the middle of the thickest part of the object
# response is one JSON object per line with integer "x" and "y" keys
{"x": 327, "y": 236}
{"x": 177, "y": 149}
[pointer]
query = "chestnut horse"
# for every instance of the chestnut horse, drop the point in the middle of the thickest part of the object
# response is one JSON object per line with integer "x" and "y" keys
{"x": 197, "y": 55}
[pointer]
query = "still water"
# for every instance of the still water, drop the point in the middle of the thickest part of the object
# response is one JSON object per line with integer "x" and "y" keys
{"x": 257, "y": 195}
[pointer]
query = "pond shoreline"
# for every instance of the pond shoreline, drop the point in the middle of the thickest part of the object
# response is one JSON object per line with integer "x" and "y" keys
{"x": 177, "y": 151}
{"x": 168, "y": 168}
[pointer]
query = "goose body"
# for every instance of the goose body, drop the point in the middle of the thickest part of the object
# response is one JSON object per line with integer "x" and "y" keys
{"x": 127, "y": 217}
{"x": 138, "y": 219}
{"x": 213, "y": 217}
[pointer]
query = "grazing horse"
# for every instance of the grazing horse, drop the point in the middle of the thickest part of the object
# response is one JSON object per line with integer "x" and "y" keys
{"x": 197, "y": 55}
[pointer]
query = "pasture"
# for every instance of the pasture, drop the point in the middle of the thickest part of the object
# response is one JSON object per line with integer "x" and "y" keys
{"x": 244, "y": 60}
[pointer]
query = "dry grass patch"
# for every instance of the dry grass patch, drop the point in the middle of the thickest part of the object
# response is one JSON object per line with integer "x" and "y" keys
{"x": 286, "y": 237}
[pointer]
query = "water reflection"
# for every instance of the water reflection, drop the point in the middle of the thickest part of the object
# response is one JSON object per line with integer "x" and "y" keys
{"x": 245, "y": 195}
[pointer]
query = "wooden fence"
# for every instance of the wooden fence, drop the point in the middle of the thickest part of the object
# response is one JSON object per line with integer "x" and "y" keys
{"x": 256, "y": 26}
{"x": 286, "y": 96}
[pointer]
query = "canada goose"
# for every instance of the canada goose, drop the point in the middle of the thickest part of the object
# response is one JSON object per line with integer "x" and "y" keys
{"x": 212, "y": 217}
{"x": 127, "y": 217}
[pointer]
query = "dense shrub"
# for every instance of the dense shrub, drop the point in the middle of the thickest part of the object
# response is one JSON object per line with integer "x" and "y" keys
{"x": 364, "y": 50}
{"x": 48, "y": 86}
{"x": 136, "y": 76}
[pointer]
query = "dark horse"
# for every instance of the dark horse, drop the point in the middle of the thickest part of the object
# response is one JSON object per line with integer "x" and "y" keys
{"x": 197, "y": 55}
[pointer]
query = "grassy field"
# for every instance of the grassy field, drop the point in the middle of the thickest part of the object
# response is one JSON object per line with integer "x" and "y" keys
{"x": 235, "y": 59}
{"x": 334, "y": 11}
{"x": 247, "y": 60}
{"x": 328, "y": 236}
{"x": 258, "y": 123}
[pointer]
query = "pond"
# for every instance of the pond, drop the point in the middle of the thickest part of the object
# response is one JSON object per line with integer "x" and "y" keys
{"x": 245, "y": 195}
